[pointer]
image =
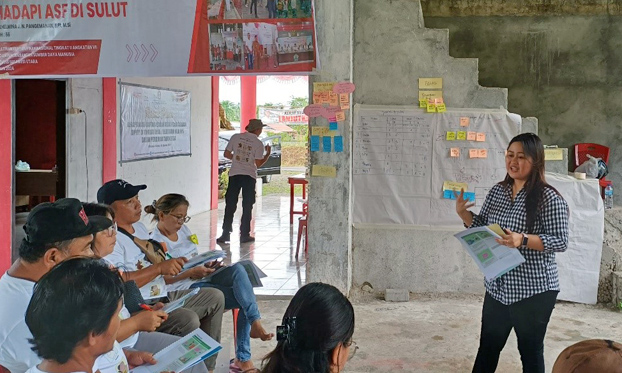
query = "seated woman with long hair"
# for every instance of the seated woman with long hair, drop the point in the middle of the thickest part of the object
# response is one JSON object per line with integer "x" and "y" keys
{"x": 171, "y": 212}
{"x": 316, "y": 335}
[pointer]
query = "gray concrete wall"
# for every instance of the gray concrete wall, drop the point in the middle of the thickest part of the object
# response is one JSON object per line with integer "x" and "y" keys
{"x": 611, "y": 260}
{"x": 559, "y": 59}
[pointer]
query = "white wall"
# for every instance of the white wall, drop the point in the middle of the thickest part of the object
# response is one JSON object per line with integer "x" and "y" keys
{"x": 189, "y": 176}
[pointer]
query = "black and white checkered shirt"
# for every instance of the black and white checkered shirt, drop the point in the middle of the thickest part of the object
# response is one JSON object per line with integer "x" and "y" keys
{"x": 539, "y": 272}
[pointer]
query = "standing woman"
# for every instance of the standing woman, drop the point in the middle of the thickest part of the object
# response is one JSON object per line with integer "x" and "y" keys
{"x": 535, "y": 218}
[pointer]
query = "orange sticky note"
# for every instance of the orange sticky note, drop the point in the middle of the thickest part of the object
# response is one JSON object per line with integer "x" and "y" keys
{"x": 317, "y": 98}
{"x": 471, "y": 136}
{"x": 473, "y": 153}
{"x": 464, "y": 121}
{"x": 344, "y": 100}
{"x": 482, "y": 153}
{"x": 340, "y": 116}
{"x": 333, "y": 99}
{"x": 481, "y": 136}
{"x": 323, "y": 97}
{"x": 454, "y": 152}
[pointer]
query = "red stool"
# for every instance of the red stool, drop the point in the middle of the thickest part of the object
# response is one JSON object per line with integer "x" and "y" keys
{"x": 4, "y": 370}
{"x": 234, "y": 313}
{"x": 302, "y": 226}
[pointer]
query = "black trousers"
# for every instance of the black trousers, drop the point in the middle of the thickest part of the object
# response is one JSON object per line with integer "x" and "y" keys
{"x": 247, "y": 185}
{"x": 254, "y": 2}
{"x": 529, "y": 319}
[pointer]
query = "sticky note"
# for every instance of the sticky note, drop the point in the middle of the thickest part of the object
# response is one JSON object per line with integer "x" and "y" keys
{"x": 430, "y": 95}
{"x": 333, "y": 126}
{"x": 323, "y": 86}
{"x": 431, "y": 107}
{"x": 450, "y": 136}
{"x": 482, "y": 153}
{"x": 481, "y": 136}
{"x": 423, "y": 103}
{"x": 462, "y": 135}
{"x": 553, "y": 155}
{"x": 327, "y": 144}
{"x": 344, "y": 101}
{"x": 449, "y": 194}
{"x": 471, "y": 136}
{"x": 453, "y": 185}
{"x": 340, "y": 116}
{"x": 315, "y": 143}
{"x": 454, "y": 152}
{"x": 319, "y": 131}
{"x": 338, "y": 144}
{"x": 194, "y": 239}
{"x": 333, "y": 99}
{"x": 430, "y": 83}
{"x": 441, "y": 108}
{"x": 473, "y": 153}
{"x": 464, "y": 121}
{"x": 323, "y": 171}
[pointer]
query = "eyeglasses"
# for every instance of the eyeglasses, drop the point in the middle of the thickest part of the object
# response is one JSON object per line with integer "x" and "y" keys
{"x": 353, "y": 348}
{"x": 181, "y": 219}
{"x": 111, "y": 230}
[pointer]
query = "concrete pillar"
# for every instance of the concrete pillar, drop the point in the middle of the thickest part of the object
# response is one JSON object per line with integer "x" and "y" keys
{"x": 109, "y": 129}
{"x": 330, "y": 227}
{"x": 249, "y": 100}
{"x": 6, "y": 173}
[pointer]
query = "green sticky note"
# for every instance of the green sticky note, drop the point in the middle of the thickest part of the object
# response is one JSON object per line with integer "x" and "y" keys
{"x": 462, "y": 135}
{"x": 431, "y": 107}
{"x": 423, "y": 104}
{"x": 441, "y": 108}
{"x": 451, "y": 136}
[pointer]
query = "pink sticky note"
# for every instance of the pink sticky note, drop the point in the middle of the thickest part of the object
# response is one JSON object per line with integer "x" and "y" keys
{"x": 464, "y": 121}
{"x": 481, "y": 136}
{"x": 340, "y": 116}
{"x": 473, "y": 153}
{"x": 344, "y": 87}
{"x": 454, "y": 152}
{"x": 314, "y": 111}
{"x": 471, "y": 136}
{"x": 331, "y": 112}
{"x": 482, "y": 153}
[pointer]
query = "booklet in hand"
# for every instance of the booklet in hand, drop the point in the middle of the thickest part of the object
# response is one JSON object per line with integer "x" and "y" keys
{"x": 204, "y": 258}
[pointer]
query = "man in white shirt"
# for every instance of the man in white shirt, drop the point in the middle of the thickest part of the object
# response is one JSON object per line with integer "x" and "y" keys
{"x": 247, "y": 153}
{"x": 203, "y": 310}
{"x": 54, "y": 232}
{"x": 74, "y": 317}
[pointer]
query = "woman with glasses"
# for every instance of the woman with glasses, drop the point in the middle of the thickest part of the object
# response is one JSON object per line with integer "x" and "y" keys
{"x": 316, "y": 335}
{"x": 171, "y": 213}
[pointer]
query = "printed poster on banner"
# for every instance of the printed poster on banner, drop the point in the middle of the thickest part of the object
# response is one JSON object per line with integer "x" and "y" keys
{"x": 155, "y": 123}
{"x": 156, "y": 38}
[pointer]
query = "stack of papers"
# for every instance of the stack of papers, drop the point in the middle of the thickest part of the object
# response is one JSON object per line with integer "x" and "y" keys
{"x": 204, "y": 258}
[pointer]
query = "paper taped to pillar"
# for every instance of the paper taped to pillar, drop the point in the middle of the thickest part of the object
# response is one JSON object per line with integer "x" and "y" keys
{"x": 136, "y": 38}
{"x": 579, "y": 266}
{"x": 155, "y": 123}
{"x": 402, "y": 157}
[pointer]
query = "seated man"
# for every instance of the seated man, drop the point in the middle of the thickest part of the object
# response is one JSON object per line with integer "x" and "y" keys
{"x": 203, "y": 310}
{"x": 74, "y": 318}
{"x": 54, "y": 232}
{"x": 590, "y": 356}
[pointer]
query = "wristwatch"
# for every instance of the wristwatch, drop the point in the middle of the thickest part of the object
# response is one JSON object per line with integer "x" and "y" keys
{"x": 525, "y": 239}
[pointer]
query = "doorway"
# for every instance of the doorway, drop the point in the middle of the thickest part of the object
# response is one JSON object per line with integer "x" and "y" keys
{"x": 40, "y": 147}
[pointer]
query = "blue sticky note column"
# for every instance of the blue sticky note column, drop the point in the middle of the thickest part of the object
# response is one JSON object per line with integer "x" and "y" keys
{"x": 338, "y": 144}
{"x": 333, "y": 126}
{"x": 449, "y": 194}
{"x": 315, "y": 143}
{"x": 327, "y": 140}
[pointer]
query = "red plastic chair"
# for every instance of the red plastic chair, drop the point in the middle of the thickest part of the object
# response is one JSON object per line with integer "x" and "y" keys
{"x": 595, "y": 150}
{"x": 4, "y": 370}
{"x": 234, "y": 313}
{"x": 302, "y": 226}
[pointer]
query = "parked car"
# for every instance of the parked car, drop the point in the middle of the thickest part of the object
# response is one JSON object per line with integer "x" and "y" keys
{"x": 272, "y": 165}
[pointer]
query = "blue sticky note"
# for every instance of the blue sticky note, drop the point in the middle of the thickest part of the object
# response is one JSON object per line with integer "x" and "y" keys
{"x": 332, "y": 126}
{"x": 328, "y": 142}
{"x": 449, "y": 194}
{"x": 315, "y": 143}
{"x": 338, "y": 144}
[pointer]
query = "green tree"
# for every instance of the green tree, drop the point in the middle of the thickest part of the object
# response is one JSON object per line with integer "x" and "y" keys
{"x": 232, "y": 110}
{"x": 298, "y": 102}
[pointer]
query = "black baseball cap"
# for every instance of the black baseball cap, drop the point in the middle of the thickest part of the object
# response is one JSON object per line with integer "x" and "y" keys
{"x": 117, "y": 190}
{"x": 62, "y": 220}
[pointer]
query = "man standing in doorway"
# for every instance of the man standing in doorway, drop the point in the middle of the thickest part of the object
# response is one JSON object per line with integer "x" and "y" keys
{"x": 247, "y": 153}
{"x": 248, "y": 49}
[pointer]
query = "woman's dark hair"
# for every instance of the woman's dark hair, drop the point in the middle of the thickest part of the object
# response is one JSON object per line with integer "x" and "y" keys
{"x": 97, "y": 209}
{"x": 166, "y": 204}
{"x": 536, "y": 182}
{"x": 324, "y": 319}
{"x": 77, "y": 297}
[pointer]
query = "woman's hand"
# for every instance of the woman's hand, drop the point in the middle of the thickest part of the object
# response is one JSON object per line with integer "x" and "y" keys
{"x": 463, "y": 205}
{"x": 510, "y": 239}
{"x": 200, "y": 272}
{"x": 149, "y": 321}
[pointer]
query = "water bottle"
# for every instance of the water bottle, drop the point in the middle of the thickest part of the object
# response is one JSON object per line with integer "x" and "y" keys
{"x": 609, "y": 196}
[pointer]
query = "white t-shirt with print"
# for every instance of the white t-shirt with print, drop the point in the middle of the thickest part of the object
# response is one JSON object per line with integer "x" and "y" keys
{"x": 182, "y": 247}
{"x": 112, "y": 362}
{"x": 127, "y": 256}
{"x": 246, "y": 148}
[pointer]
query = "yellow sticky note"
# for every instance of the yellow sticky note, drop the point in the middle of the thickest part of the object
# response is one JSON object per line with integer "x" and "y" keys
{"x": 482, "y": 153}
{"x": 451, "y": 136}
{"x": 431, "y": 107}
{"x": 464, "y": 121}
{"x": 340, "y": 116}
{"x": 323, "y": 86}
{"x": 462, "y": 135}
{"x": 454, "y": 152}
{"x": 471, "y": 136}
{"x": 319, "y": 131}
{"x": 473, "y": 153}
{"x": 430, "y": 83}
{"x": 441, "y": 108}
{"x": 194, "y": 239}
{"x": 452, "y": 185}
{"x": 430, "y": 95}
{"x": 553, "y": 155}
{"x": 344, "y": 101}
{"x": 323, "y": 171}
{"x": 423, "y": 103}
{"x": 481, "y": 136}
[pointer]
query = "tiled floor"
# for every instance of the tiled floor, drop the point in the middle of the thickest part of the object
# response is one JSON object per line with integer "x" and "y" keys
{"x": 274, "y": 248}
